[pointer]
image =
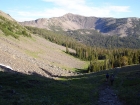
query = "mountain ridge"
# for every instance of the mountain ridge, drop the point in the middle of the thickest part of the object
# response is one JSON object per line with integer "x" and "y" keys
{"x": 106, "y": 26}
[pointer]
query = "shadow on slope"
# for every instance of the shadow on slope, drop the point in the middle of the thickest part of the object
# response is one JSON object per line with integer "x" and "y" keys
{"x": 128, "y": 84}
{"x": 21, "y": 89}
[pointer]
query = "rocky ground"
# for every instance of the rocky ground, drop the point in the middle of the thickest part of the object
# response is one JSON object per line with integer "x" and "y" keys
{"x": 36, "y": 55}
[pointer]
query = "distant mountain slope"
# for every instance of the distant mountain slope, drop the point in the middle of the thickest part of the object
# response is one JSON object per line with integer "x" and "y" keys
{"x": 107, "y": 26}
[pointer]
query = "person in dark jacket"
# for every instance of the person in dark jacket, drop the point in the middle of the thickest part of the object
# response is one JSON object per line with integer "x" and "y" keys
{"x": 112, "y": 79}
{"x": 107, "y": 77}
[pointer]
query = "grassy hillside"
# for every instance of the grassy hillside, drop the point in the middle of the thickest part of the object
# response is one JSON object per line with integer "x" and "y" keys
{"x": 78, "y": 90}
{"x": 12, "y": 28}
{"x": 128, "y": 85}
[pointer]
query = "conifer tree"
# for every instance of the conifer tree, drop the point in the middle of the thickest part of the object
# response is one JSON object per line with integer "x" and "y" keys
{"x": 67, "y": 50}
{"x": 124, "y": 61}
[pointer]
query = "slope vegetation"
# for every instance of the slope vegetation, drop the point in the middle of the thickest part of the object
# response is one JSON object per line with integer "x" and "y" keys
{"x": 12, "y": 28}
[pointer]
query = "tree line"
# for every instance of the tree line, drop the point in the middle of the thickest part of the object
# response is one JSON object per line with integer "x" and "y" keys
{"x": 112, "y": 58}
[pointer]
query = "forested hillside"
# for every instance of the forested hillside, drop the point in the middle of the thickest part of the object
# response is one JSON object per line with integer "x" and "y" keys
{"x": 100, "y": 58}
{"x": 94, "y": 38}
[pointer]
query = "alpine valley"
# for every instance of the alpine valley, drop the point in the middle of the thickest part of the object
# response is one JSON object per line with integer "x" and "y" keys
{"x": 64, "y": 61}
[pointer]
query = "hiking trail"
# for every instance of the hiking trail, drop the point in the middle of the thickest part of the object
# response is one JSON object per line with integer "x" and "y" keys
{"x": 107, "y": 96}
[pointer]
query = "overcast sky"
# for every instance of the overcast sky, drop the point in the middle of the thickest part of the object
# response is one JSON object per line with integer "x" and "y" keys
{"x": 25, "y": 10}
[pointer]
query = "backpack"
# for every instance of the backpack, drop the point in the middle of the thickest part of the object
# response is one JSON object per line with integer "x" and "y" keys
{"x": 112, "y": 77}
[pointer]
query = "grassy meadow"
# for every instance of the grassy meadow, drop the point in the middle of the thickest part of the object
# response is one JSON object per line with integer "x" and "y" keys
{"x": 22, "y": 89}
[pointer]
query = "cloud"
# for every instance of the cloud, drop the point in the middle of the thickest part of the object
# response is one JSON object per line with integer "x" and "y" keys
{"x": 61, "y": 7}
{"x": 120, "y": 8}
{"x": 81, "y": 7}
{"x": 67, "y": 3}
{"x": 20, "y": 15}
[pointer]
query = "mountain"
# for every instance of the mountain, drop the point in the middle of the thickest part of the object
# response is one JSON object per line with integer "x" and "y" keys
{"x": 107, "y": 26}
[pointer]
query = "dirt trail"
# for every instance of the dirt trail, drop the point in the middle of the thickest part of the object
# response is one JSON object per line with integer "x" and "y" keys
{"x": 107, "y": 95}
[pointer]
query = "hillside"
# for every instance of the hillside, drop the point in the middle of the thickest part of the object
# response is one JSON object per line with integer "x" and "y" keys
{"x": 37, "y": 55}
{"x": 6, "y": 16}
{"x": 9, "y": 27}
{"x": 107, "y": 26}
{"x": 29, "y": 54}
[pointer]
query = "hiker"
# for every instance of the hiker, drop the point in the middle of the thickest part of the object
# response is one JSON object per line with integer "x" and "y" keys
{"x": 112, "y": 79}
{"x": 107, "y": 77}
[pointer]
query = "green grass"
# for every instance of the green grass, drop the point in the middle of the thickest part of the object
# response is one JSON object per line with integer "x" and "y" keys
{"x": 36, "y": 90}
{"x": 128, "y": 85}
{"x": 12, "y": 28}
{"x": 22, "y": 89}
{"x": 32, "y": 54}
{"x": 85, "y": 66}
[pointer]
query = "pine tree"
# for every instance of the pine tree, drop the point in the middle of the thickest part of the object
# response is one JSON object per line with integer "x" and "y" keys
{"x": 135, "y": 58}
{"x": 105, "y": 64}
{"x": 67, "y": 50}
